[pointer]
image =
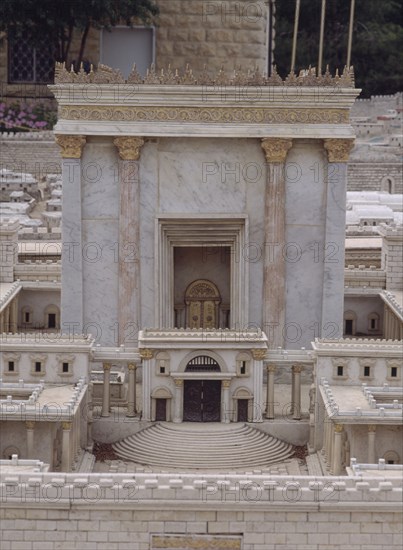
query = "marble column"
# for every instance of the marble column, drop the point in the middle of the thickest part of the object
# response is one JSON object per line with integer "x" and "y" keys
{"x": 271, "y": 369}
{"x": 2, "y": 327}
{"x": 258, "y": 356}
{"x": 71, "y": 307}
{"x": 225, "y": 404}
{"x": 338, "y": 151}
{"x": 275, "y": 150}
{"x": 30, "y": 426}
{"x": 7, "y": 319}
{"x": 371, "y": 444}
{"x": 66, "y": 447}
{"x": 129, "y": 235}
{"x": 146, "y": 355}
{"x": 338, "y": 449}
{"x": 178, "y": 404}
{"x": 106, "y": 397}
{"x": 296, "y": 397}
{"x": 131, "y": 393}
{"x": 90, "y": 413}
{"x": 14, "y": 315}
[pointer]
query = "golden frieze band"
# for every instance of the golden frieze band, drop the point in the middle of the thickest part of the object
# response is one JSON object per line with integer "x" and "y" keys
{"x": 220, "y": 115}
{"x": 239, "y": 77}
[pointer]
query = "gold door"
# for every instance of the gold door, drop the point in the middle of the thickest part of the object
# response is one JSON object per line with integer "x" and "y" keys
{"x": 202, "y": 300}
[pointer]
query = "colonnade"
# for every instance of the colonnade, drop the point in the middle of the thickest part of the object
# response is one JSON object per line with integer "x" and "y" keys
{"x": 295, "y": 391}
{"x": 392, "y": 325}
{"x": 131, "y": 392}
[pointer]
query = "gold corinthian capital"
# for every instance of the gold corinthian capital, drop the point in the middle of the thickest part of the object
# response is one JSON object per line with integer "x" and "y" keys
{"x": 129, "y": 147}
{"x": 276, "y": 149}
{"x": 338, "y": 150}
{"x": 71, "y": 146}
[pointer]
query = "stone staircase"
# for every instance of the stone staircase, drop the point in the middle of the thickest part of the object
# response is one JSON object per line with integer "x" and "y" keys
{"x": 203, "y": 446}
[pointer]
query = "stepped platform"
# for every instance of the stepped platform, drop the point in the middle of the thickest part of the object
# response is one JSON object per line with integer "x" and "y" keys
{"x": 212, "y": 446}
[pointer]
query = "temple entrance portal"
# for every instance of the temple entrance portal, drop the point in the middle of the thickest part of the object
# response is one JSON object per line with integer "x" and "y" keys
{"x": 202, "y": 398}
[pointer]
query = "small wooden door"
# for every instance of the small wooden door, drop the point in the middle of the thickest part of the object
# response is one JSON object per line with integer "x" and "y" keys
{"x": 161, "y": 410}
{"x": 242, "y": 415}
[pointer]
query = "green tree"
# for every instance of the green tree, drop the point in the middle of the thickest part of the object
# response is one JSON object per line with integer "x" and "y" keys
{"x": 55, "y": 20}
{"x": 377, "y": 54}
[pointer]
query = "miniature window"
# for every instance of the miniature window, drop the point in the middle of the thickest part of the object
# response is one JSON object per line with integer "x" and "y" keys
{"x": 243, "y": 364}
{"x": 65, "y": 364}
{"x": 38, "y": 363}
{"x": 373, "y": 322}
{"x": 393, "y": 372}
{"x": 11, "y": 361}
{"x": 162, "y": 363}
{"x": 367, "y": 371}
{"x": 340, "y": 368}
{"x": 340, "y": 371}
{"x": 26, "y": 314}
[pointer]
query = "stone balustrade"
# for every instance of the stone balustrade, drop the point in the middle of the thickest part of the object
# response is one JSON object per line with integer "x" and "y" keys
{"x": 139, "y": 489}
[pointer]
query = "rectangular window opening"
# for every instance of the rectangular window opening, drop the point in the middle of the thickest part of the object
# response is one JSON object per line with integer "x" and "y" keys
{"x": 38, "y": 366}
{"x": 11, "y": 366}
{"x": 393, "y": 372}
{"x": 367, "y": 371}
{"x": 65, "y": 367}
{"x": 340, "y": 371}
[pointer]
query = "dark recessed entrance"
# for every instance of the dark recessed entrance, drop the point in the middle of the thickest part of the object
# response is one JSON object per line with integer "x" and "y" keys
{"x": 202, "y": 400}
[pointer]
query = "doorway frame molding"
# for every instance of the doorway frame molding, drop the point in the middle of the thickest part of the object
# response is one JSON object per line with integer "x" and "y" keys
{"x": 186, "y": 230}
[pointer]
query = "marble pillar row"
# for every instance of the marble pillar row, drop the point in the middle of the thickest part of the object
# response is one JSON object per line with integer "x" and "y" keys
{"x": 258, "y": 356}
{"x": 30, "y": 426}
{"x": 14, "y": 315}
{"x": 72, "y": 314}
{"x": 371, "y": 444}
{"x": 106, "y": 396}
{"x": 178, "y": 403}
{"x": 338, "y": 151}
{"x": 129, "y": 235}
{"x": 131, "y": 392}
{"x": 147, "y": 364}
{"x": 66, "y": 447}
{"x": 271, "y": 369}
{"x": 2, "y": 324}
{"x": 274, "y": 274}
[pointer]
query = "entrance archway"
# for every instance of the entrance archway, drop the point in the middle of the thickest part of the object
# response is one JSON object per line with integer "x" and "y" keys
{"x": 202, "y": 398}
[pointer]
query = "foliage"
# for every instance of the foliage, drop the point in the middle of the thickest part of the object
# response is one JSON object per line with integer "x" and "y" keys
{"x": 56, "y": 19}
{"x": 26, "y": 117}
{"x": 377, "y": 54}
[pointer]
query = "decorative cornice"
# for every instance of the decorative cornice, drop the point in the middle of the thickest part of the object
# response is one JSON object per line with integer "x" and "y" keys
{"x": 146, "y": 353}
{"x": 276, "y": 149}
{"x": 338, "y": 150}
{"x": 71, "y": 146}
{"x": 214, "y": 115}
{"x": 239, "y": 77}
{"x": 129, "y": 147}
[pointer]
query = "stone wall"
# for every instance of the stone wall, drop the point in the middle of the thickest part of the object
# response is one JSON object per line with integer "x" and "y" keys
{"x": 118, "y": 512}
{"x": 32, "y": 152}
{"x": 377, "y": 105}
{"x": 212, "y": 33}
{"x": 373, "y": 176}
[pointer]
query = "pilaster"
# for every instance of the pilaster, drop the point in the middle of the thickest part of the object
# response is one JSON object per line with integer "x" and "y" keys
{"x": 275, "y": 150}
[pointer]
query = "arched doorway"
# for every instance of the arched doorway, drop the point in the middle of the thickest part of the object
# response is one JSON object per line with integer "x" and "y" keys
{"x": 202, "y": 398}
{"x": 202, "y": 299}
